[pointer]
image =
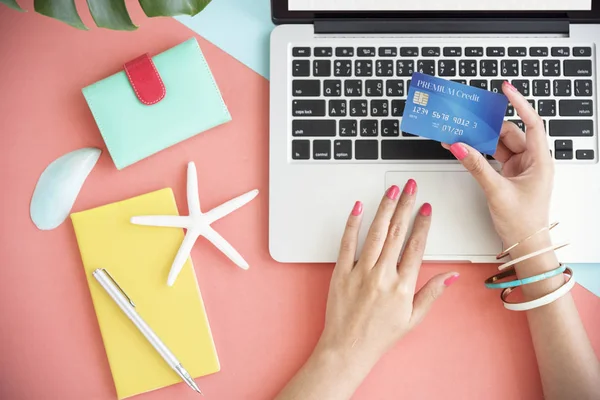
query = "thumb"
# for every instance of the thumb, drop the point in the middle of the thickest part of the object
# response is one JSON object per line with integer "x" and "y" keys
{"x": 429, "y": 293}
{"x": 477, "y": 165}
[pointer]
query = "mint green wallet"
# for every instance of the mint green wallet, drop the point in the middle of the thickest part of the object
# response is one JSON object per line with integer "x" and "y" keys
{"x": 155, "y": 103}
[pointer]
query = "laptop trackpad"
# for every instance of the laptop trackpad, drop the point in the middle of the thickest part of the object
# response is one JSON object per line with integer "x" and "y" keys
{"x": 461, "y": 224}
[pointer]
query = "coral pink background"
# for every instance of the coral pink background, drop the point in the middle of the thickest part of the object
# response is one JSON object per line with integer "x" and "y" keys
{"x": 266, "y": 320}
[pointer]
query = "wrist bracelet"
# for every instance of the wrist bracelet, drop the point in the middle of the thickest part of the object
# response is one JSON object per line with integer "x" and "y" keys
{"x": 542, "y": 301}
{"x": 531, "y": 255}
{"x": 492, "y": 283}
{"x": 505, "y": 252}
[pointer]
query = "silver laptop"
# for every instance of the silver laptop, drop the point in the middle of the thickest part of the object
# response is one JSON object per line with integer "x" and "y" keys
{"x": 340, "y": 72}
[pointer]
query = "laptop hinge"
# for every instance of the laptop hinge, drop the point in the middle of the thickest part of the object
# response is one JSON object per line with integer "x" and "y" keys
{"x": 441, "y": 26}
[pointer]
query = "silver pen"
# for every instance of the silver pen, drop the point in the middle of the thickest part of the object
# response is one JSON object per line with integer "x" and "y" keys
{"x": 128, "y": 307}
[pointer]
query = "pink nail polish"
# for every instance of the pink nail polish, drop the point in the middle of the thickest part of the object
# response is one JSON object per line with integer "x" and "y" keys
{"x": 459, "y": 151}
{"x": 410, "y": 187}
{"x": 451, "y": 280}
{"x": 425, "y": 210}
{"x": 393, "y": 192}
{"x": 510, "y": 86}
{"x": 358, "y": 208}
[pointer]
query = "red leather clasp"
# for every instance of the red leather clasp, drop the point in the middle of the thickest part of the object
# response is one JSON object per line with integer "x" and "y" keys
{"x": 145, "y": 80}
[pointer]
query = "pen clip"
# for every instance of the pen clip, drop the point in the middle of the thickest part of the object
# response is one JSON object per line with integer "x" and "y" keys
{"x": 119, "y": 287}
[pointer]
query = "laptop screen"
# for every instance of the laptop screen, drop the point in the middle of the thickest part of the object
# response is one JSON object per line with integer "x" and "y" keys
{"x": 438, "y": 5}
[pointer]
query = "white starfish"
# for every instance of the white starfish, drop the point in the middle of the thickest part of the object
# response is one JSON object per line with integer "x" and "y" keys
{"x": 198, "y": 224}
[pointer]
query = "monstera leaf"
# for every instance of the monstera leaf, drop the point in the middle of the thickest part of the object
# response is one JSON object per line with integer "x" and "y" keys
{"x": 111, "y": 14}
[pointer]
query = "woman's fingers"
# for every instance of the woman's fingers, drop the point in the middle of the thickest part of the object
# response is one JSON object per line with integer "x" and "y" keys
{"x": 398, "y": 227}
{"x": 536, "y": 135}
{"x": 350, "y": 239}
{"x": 379, "y": 228}
{"x": 513, "y": 137}
{"x": 429, "y": 293}
{"x": 477, "y": 165}
{"x": 409, "y": 266}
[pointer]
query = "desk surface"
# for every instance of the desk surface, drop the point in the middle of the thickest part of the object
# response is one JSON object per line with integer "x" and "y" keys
{"x": 266, "y": 320}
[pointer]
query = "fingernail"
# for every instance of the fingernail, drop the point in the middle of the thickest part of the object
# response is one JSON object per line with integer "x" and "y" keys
{"x": 393, "y": 192}
{"x": 410, "y": 187}
{"x": 510, "y": 86}
{"x": 425, "y": 210}
{"x": 451, "y": 280}
{"x": 358, "y": 208}
{"x": 459, "y": 150}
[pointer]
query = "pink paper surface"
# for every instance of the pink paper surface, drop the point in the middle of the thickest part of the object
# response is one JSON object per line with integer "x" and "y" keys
{"x": 266, "y": 320}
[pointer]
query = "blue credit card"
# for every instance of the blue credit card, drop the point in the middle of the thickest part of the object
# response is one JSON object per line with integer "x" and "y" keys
{"x": 451, "y": 112}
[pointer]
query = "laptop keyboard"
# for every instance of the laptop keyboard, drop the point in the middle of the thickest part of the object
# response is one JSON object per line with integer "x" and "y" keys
{"x": 347, "y": 102}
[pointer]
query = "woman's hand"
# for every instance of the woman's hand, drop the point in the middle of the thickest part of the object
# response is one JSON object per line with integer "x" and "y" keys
{"x": 519, "y": 198}
{"x": 372, "y": 302}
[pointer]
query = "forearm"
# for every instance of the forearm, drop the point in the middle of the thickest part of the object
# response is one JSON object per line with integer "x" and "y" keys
{"x": 328, "y": 374}
{"x": 569, "y": 369}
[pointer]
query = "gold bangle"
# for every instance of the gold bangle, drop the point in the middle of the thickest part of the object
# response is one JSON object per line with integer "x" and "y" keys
{"x": 504, "y": 253}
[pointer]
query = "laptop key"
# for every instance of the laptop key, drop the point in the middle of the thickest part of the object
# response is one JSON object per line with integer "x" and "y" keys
{"x": 369, "y": 127}
{"x": 347, "y": 127}
{"x": 467, "y": 68}
{"x": 313, "y": 127}
{"x": 384, "y": 68}
{"x": 562, "y": 87}
{"x": 413, "y": 149}
{"x": 547, "y": 108}
{"x": 461, "y": 81}
{"x": 509, "y": 68}
{"x": 359, "y": 108}
{"x": 379, "y": 108}
{"x": 479, "y": 83}
{"x": 447, "y": 67}
{"x": 365, "y": 52}
{"x": 452, "y": 51}
{"x": 301, "y": 51}
{"x": 563, "y": 154}
{"x": 342, "y": 68}
{"x": 337, "y": 108}
{"x": 390, "y": 127}
{"x": 353, "y": 88}
{"x": 518, "y": 123}
{"x": 322, "y": 68}
{"x": 530, "y": 67}
{"x": 308, "y": 108}
{"x": 576, "y": 108}
{"x": 300, "y": 68}
{"x": 301, "y": 149}
{"x": 406, "y": 134}
{"x": 496, "y": 85}
{"x": 488, "y": 67}
{"x": 522, "y": 86}
{"x": 430, "y": 51}
{"x": 366, "y": 149}
{"x": 538, "y": 51}
{"x": 584, "y": 154}
{"x": 388, "y": 52}
{"x": 563, "y": 145}
{"x": 363, "y": 68}
{"x": 583, "y": 87}
{"x": 577, "y": 67}
{"x": 405, "y": 67}
{"x": 394, "y": 88}
{"x": 426, "y": 67}
{"x": 551, "y": 68}
{"x": 342, "y": 149}
{"x": 510, "y": 110}
{"x": 323, "y": 51}
{"x": 532, "y": 103}
{"x": 374, "y": 87}
{"x": 321, "y": 149}
{"x": 571, "y": 127}
{"x": 560, "y": 52}
{"x": 495, "y": 51}
{"x": 517, "y": 51}
{"x": 344, "y": 51}
{"x": 409, "y": 51}
{"x": 582, "y": 51}
{"x": 541, "y": 87}
{"x": 398, "y": 107}
{"x": 474, "y": 51}
{"x": 306, "y": 88}
{"x": 332, "y": 88}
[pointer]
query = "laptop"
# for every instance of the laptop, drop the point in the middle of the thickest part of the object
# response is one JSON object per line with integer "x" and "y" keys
{"x": 340, "y": 72}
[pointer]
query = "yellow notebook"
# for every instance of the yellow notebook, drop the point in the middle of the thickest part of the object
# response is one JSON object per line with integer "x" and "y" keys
{"x": 139, "y": 259}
